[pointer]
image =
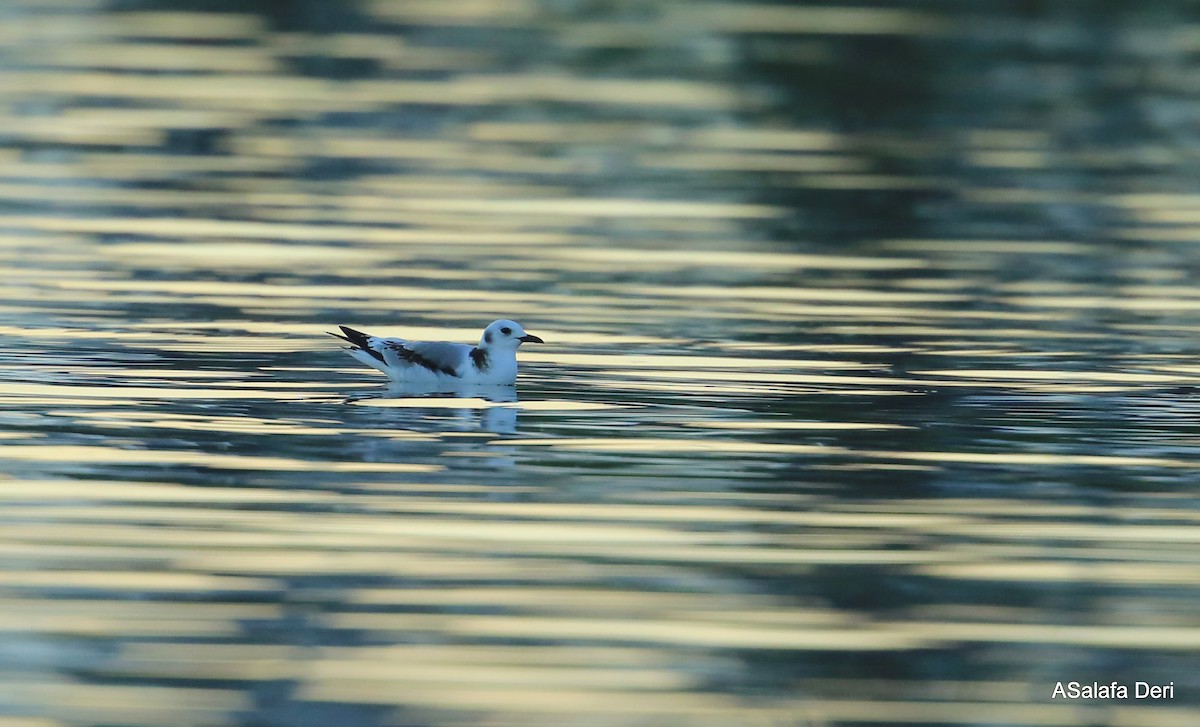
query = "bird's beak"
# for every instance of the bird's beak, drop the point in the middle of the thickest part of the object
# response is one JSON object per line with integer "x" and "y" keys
{"x": 530, "y": 338}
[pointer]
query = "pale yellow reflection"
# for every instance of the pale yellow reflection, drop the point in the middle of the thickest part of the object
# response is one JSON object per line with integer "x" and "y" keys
{"x": 1034, "y": 458}
{"x": 71, "y": 131}
{"x": 267, "y": 290}
{"x": 535, "y": 701}
{"x": 209, "y": 662}
{"x": 1147, "y": 303}
{"x": 1113, "y": 637}
{"x": 272, "y": 529}
{"x": 999, "y": 352}
{"x": 101, "y": 490}
{"x": 433, "y": 566}
{"x": 490, "y": 88}
{"x": 784, "y": 139}
{"x": 1058, "y": 375}
{"x": 440, "y": 154}
{"x": 1192, "y": 370}
{"x": 112, "y": 579}
{"x": 583, "y": 131}
{"x": 994, "y": 506}
{"x": 298, "y": 95}
{"x": 1140, "y": 572}
{"x": 476, "y": 403}
{"x": 874, "y": 467}
{"x": 904, "y": 331}
{"x": 1156, "y": 200}
{"x": 1066, "y": 530}
{"x": 775, "y": 18}
{"x": 549, "y": 678}
{"x": 710, "y": 387}
{"x": 134, "y": 618}
{"x": 769, "y": 377}
{"x": 240, "y": 90}
{"x": 188, "y": 25}
{"x": 1167, "y": 215}
{"x": 771, "y": 425}
{"x": 537, "y": 598}
{"x": 91, "y": 454}
{"x": 674, "y": 446}
{"x": 255, "y": 255}
{"x": 751, "y": 162}
{"x": 1004, "y": 247}
{"x": 188, "y": 227}
{"x": 669, "y": 362}
{"x": 670, "y": 513}
{"x": 270, "y": 544}
{"x": 469, "y": 12}
{"x": 639, "y": 257}
{"x": 1010, "y": 158}
{"x": 951, "y": 710}
{"x": 114, "y": 418}
{"x": 1008, "y": 138}
{"x": 149, "y": 373}
{"x": 128, "y": 395}
{"x": 379, "y": 191}
{"x": 881, "y": 312}
{"x": 500, "y": 654}
{"x": 159, "y": 57}
{"x": 686, "y": 631}
{"x": 103, "y": 626}
{"x": 1182, "y": 291}
{"x": 581, "y": 207}
{"x": 660, "y": 444}
{"x": 789, "y": 293}
{"x": 175, "y": 341}
{"x": 823, "y": 347}
{"x": 864, "y": 181}
{"x": 132, "y": 705}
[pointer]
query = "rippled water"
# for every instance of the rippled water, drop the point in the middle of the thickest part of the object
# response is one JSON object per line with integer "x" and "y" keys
{"x": 841, "y": 419}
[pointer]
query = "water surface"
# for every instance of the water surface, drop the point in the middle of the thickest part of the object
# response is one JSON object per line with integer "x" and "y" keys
{"x": 863, "y": 403}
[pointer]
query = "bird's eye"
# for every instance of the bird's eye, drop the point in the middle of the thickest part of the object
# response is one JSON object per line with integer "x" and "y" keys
{"x": 506, "y": 331}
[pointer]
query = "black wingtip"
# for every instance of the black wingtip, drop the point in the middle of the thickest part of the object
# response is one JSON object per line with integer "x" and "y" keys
{"x": 359, "y": 340}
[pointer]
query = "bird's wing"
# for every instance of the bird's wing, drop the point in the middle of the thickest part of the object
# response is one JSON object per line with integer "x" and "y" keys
{"x": 436, "y": 356}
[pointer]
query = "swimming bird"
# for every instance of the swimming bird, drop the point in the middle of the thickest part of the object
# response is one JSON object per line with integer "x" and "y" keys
{"x": 493, "y": 362}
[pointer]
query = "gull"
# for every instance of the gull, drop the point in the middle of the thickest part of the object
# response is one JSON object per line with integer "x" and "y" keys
{"x": 493, "y": 362}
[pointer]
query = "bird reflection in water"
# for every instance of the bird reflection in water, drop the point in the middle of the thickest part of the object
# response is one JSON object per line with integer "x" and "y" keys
{"x": 465, "y": 408}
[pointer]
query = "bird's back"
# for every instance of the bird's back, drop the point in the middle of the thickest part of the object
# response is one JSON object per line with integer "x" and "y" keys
{"x": 438, "y": 357}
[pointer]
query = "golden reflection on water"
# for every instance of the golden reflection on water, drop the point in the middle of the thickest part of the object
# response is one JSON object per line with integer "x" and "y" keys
{"x": 787, "y": 425}
{"x": 615, "y": 642}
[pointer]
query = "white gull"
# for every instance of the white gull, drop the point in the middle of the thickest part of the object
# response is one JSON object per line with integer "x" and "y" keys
{"x": 492, "y": 362}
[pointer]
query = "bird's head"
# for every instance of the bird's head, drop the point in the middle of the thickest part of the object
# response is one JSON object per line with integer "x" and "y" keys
{"x": 506, "y": 334}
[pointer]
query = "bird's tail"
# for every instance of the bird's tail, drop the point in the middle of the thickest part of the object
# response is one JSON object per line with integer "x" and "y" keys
{"x": 359, "y": 340}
